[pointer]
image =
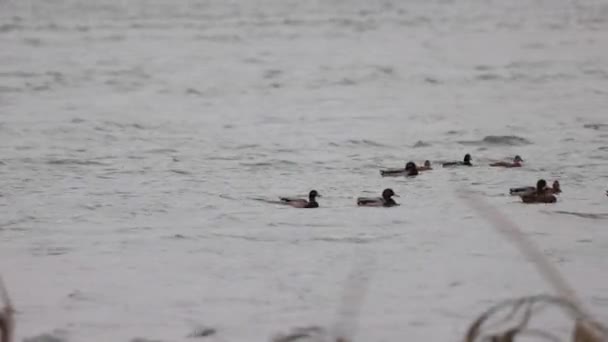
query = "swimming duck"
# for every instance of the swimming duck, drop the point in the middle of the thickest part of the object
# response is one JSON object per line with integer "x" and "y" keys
{"x": 409, "y": 170}
{"x": 466, "y": 162}
{"x": 541, "y": 195}
{"x": 426, "y": 166}
{"x": 516, "y": 163}
{"x": 302, "y": 203}
{"x": 384, "y": 201}
{"x": 555, "y": 189}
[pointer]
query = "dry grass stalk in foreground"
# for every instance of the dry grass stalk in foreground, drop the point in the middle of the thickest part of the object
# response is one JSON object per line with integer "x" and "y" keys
{"x": 522, "y": 311}
{"x": 6, "y": 315}
{"x": 583, "y": 332}
{"x": 586, "y": 330}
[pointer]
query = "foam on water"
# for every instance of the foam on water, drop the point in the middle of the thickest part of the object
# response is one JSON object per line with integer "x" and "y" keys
{"x": 137, "y": 137}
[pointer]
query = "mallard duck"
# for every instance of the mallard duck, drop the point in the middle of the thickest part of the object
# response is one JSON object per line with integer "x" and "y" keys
{"x": 384, "y": 201}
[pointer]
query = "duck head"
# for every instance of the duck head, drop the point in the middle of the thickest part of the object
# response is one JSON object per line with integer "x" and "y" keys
{"x": 556, "y": 186}
{"x": 388, "y": 193}
{"x": 427, "y": 163}
{"x": 541, "y": 185}
{"x": 467, "y": 159}
{"x": 517, "y": 159}
{"x": 312, "y": 195}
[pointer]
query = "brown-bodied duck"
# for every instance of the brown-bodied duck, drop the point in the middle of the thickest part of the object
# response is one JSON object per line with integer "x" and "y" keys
{"x": 410, "y": 170}
{"x": 384, "y": 201}
{"x": 554, "y": 189}
{"x": 465, "y": 162}
{"x": 517, "y": 162}
{"x": 426, "y": 166}
{"x": 541, "y": 195}
{"x": 302, "y": 203}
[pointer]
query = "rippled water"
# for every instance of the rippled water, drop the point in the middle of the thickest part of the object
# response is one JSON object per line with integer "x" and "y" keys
{"x": 136, "y": 137}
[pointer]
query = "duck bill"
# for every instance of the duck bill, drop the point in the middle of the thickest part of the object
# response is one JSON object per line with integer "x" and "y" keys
{"x": 396, "y": 195}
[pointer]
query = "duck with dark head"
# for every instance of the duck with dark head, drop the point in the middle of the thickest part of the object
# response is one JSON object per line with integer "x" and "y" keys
{"x": 385, "y": 201}
{"x": 465, "y": 162}
{"x": 524, "y": 190}
{"x": 541, "y": 195}
{"x": 426, "y": 166}
{"x": 410, "y": 170}
{"x": 302, "y": 203}
{"x": 517, "y": 162}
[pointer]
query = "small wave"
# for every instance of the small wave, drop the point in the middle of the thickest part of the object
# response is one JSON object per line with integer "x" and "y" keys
{"x": 56, "y": 336}
{"x": 202, "y": 332}
{"x": 124, "y": 125}
{"x": 74, "y": 162}
{"x": 274, "y": 163}
{"x": 160, "y": 150}
{"x": 488, "y": 77}
{"x": 421, "y": 143}
{"x": 272, "y": 73}
{"x": 365, "y": 142}
{"x": 596, "y": 126}
{"x": 245, "y": 146}
{"x": 593, "y": 216}
{"x": 245, "y": 237}
{"x": 353, "y": 240}
{"x": 181, "y": 172}
{"x": 49, "y": 251}
{"x": 502, "y": 140}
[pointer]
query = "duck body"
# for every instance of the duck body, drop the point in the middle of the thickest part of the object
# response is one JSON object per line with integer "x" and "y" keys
{"x": 409, "y": 170}
{"x": 392, "y": 172}
{"x": 302, "y": 203}
{"x": 526, "y": 190}
{"x": 384, "y": 201}
{"x": 538, "y": 198}
{"x": 426, "y": 166}
{"x": 505, "y": 164}
{"x": 541, "y": 194}
{"x": 517, "y": 162}
{"x": 465, "y": 162}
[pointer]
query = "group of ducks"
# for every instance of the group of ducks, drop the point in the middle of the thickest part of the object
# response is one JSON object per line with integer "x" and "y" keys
{"x": 541, "y": 193}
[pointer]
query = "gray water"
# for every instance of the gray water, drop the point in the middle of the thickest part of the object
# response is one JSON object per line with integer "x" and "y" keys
{"x": 137, "y": 137}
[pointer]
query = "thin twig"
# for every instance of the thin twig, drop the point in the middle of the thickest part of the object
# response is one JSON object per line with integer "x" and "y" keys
{"x": 345, "y": 326}
{"x": 7, "y": 322}
{"x": 592, "y": 329}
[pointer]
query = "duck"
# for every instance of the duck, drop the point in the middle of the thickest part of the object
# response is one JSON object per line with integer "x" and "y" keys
{"x": 541, "y": 195}
{"x": 384, "y": 201}
{"x": 302, "y": 203}
{"x": 517, "y": 162}
{"x": 410, "y": 170}
{"x": 465, "y": 162}
{"x": 426, "y": 166}
{"x": 555, "y": 189}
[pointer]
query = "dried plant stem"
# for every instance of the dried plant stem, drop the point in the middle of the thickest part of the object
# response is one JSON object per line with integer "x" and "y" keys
{"x": 7, "y": 322}
{"x": 585, "y": 331}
